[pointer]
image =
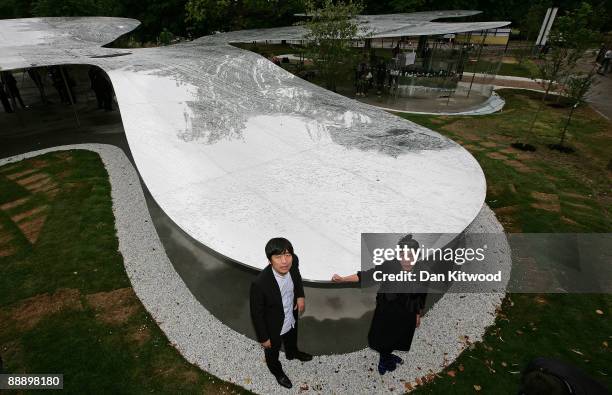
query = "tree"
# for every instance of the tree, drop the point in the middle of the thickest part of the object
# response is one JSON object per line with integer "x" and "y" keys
{"x": 576, "y": 89}
{"x": 570, "y": 37}
{"x": 165, "y": 37}
{"x": 532, "y": 21}
{"x": 578, "y": 85}
{"x": 331, "y": 31}
{"x": 75, "y": 7}
{"x": 207, "y": 16}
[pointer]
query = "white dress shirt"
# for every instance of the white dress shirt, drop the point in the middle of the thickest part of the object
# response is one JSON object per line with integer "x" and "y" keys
{"x": 285, "y": 283}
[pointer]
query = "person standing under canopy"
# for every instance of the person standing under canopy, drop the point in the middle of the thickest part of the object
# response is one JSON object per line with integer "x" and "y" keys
{"x": 276, "y": 300}
{"x": 399, "y": 307}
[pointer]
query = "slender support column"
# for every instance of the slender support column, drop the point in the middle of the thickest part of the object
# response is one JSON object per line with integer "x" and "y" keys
{"x": 76, "y": 116}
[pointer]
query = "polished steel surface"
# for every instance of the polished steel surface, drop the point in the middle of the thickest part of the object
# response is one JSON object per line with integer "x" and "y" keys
{"x": 235, "y": 150}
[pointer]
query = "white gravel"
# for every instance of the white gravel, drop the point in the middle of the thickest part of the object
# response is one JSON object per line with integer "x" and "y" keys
{"x": 205, "y": 341}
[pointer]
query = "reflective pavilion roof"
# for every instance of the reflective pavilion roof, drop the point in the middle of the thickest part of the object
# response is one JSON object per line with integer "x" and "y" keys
{"x": 236, "y": 150}
{"x": 376, "y": 26}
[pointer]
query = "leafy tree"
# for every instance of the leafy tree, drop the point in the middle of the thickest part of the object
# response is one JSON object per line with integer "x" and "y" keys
{"x": 75, "y": 8}
{"x": 15, "y": 9}
{"x": 570, "y": 37}
{"x": 165, "y": 37}
{"x": 330, "y": 32}
{"x": 578, "y": 85}
{"x": 407, "y": 5}
{"x": 576, "y": 89}
{"x": 530, "y": 24}
{"x": 207, "y": 16}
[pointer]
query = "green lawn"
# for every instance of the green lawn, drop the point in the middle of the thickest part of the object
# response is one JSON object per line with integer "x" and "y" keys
{"x": 66, "y": 304}
{"x": 527, "y": 69}
{"x": 541, "y": 191}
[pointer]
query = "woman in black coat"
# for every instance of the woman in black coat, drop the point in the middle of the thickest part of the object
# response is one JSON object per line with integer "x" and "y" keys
{"x": 399, "y": 306}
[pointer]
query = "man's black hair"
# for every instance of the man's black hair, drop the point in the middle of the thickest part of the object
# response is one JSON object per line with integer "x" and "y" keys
{"x": 409, "y": 242}
{"x": 278, "y": 245}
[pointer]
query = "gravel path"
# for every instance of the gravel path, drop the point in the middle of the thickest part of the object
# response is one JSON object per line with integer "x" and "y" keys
{"x": 204, "y": 340}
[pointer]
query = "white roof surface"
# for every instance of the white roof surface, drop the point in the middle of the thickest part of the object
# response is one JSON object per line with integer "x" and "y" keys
{"x": 236, "y": 150}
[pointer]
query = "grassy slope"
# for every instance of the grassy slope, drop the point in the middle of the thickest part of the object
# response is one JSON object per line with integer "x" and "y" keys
{"x": 527, "y": 69}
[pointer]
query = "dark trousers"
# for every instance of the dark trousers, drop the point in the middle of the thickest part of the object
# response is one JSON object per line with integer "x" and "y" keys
{"x": 289, "y": 341}
{"x": 5, "y": 101}
{"x": 16, "y": 95}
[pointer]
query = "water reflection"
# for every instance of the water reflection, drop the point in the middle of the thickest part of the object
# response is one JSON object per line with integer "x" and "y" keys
{"x": 228, "y": 87}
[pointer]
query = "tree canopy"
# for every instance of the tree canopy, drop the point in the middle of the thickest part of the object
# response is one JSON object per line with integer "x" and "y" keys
{"x": 331, "y": 29}
{"x": 206, "y": 16}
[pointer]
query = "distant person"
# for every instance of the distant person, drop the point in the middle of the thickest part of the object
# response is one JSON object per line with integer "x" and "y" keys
{"x": 36, "y": 78}
{"x": 276, "y": 298}
{"x": 396, "y": 50}
{"x": 71, "y": 84}
{"x": 64, "y": 84}
{"x": 605, "y": 65}
{"x": 58, "y": 83}
{"x": 360, "y": 77}
{"x": 11, "y": 86}
{"x": 101, "y": 87}
{"x": 553, "y": 377}
{"x": 92, "y": 73}
{"x": 398, "y": 308}
{"x": 600, "y": 55}
{"x": 368, "y": 82}
{"x": 276, "y": 61}
{"x": 381, "y": 73}
{"x": 5, "y": 100}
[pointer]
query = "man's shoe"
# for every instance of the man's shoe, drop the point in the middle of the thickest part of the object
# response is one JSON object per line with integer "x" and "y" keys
{"x": 397, "y": 359}
{"x": 382, "y": 368}
{"x": 387, "y": 364}
{"x": 283, "y": 380}
{"x": 300, "y": 355}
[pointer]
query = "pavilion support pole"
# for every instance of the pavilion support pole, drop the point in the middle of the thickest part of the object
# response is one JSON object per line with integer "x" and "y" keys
{"x": 507, "y": 43}
{"x": 16, "y": 111}
{"x": 76, "y": 116}
{"x": 477, "y": 60}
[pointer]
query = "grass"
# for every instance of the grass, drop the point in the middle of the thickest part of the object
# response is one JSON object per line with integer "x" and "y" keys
{"x": 580, "y": 181}
{"x": 527, "y": 69}
{"x": 568, "y": 327}
{"x": 66, "y": 304}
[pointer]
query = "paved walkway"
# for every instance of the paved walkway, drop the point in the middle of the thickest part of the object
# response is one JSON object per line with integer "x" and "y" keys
{"x": 600, "y": 96}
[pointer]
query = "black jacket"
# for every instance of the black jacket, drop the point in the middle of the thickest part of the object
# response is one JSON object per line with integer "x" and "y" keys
{"x": 267, "y": 305}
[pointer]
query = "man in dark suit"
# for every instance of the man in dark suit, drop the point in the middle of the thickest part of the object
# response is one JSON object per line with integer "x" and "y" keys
{"x": 277, "y": 296}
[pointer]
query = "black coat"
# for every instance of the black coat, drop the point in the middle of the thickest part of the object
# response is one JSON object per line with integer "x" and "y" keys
{"x": 397, "y": 305}
{"x": 267, "y": 311}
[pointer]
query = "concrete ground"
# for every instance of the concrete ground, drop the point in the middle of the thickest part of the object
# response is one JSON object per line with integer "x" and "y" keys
{"x": 600, "y": 96}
